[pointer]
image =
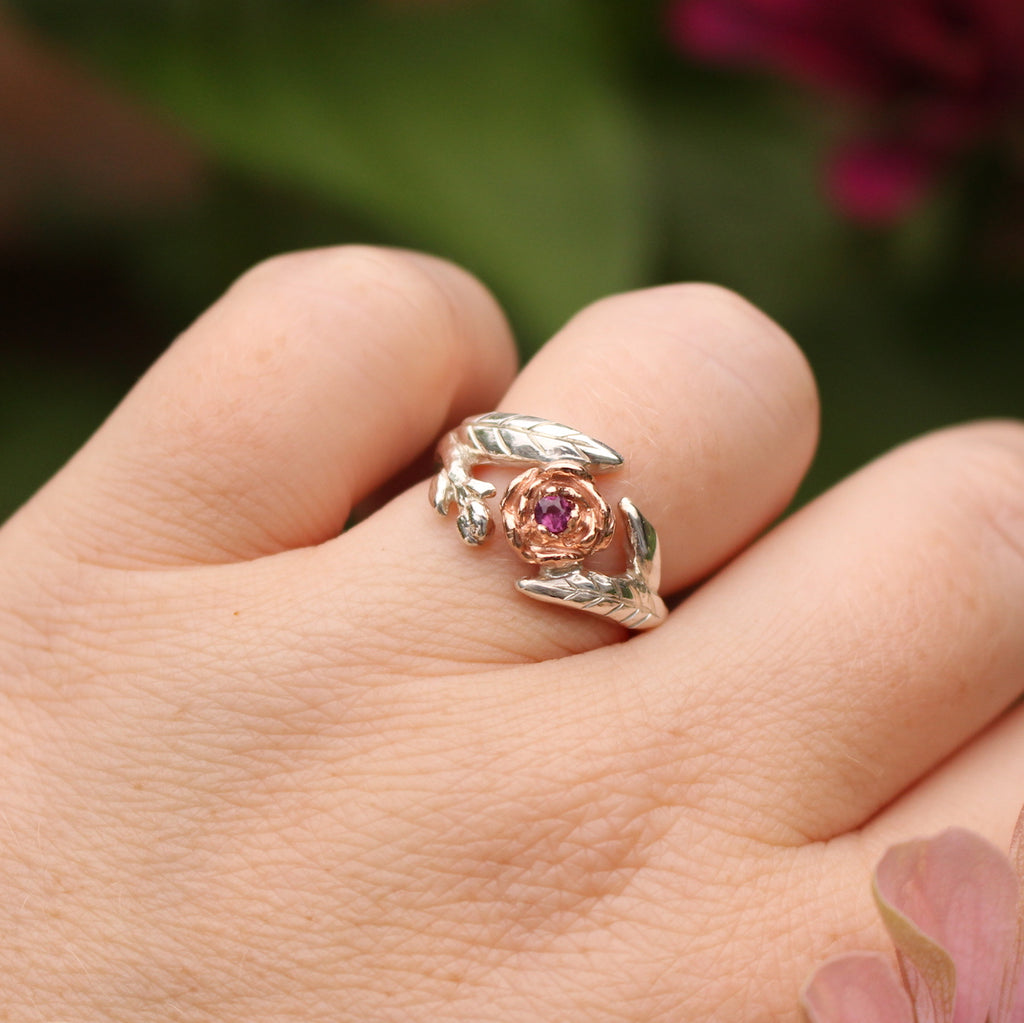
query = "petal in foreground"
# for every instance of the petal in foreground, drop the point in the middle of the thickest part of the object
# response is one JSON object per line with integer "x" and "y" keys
{"x": 950, "y": 905}
{"x": 855, "y": 988}
{"x": 1011, "y": 1000}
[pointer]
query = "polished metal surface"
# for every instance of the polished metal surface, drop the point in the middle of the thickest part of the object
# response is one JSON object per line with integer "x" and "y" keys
{"x": 631, "y": 599}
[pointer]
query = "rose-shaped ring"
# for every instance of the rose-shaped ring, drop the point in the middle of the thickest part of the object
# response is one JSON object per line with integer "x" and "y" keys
{"x": 553, "y": 514}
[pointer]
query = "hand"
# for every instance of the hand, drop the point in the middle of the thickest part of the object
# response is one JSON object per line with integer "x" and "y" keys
{"x": 254, "y": 770}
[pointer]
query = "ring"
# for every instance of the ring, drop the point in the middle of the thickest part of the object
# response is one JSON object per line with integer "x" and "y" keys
{"x": 553, "y": 515}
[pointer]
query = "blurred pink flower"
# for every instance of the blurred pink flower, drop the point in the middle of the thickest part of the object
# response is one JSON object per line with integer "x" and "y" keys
{"x": 932, "y": 77}
{"x": 954, "y": 908}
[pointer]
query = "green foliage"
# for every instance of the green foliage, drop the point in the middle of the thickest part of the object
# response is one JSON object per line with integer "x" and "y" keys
{"x": 558, "y": 149}
{"x": 494, "y": 134}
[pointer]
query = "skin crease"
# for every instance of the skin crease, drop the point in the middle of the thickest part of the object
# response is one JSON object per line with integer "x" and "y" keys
{"x": 254, "y": 771}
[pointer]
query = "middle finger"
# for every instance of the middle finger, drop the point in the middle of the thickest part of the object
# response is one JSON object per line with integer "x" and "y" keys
{"x": 713, "y": 408}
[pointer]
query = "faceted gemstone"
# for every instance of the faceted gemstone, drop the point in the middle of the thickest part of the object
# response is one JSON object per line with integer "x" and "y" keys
{"x": 553, "y": 512}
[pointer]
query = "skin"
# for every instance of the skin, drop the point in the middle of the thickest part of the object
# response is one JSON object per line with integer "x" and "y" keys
{"x": 254, "y": 770}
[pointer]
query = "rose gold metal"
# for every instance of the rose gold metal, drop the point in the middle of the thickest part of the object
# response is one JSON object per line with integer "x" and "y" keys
{"x": 591, "y": 522}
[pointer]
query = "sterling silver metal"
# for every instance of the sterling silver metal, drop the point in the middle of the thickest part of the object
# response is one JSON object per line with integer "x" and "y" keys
{"x": 499, "y": 438}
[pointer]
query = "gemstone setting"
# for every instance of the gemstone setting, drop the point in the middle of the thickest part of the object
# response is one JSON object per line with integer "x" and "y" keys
{"x": 553, "y": 515}
{"x": 553, "y": 512}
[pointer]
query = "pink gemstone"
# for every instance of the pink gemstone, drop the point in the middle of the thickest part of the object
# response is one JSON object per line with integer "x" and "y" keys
{"x": 553, "y": 512}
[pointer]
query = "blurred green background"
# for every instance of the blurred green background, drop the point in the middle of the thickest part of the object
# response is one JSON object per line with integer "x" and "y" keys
{"x": 560, "y": 149}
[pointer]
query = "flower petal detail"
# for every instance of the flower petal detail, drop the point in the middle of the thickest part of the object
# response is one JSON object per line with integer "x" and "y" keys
{"x": 715, "y": 30}
{"x": 949, "y": 904}
{"x": 879, "y": 181}
{"x": 853, "y": 988}
{"x": 935, "y": 78}
{"x": 1010, "y": 1008}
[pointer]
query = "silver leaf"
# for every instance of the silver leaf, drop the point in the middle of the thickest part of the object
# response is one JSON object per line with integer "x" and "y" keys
{"x": 630, "y": 599}
{"x": 619, "y": 598}
{"x": 503, "y": 437}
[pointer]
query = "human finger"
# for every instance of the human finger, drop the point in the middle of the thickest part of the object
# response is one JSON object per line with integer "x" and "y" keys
{"x": 980, "y": 787}
{"x": 314, "y": 379}
{"x": 714, "y": 410}
{"x": 865, "y": 640}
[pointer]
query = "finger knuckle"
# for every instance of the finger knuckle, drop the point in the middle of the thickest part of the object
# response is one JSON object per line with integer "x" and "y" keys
{"x": 736, "y": 345}
{"x": 423, "y": 287}
{"x": 985, "y": 463}
{"x": 763, "y": 354}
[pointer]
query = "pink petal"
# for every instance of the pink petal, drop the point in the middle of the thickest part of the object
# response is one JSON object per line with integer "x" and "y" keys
{"x": 715, "y": 29}
{"x": 856, "y": 988}
{"x": 1010, "y": 1008}
{"x": 927, "y": 42}
{"x": 950, "y": 906}
{"x": 794, "y": 37}
{"x": 1001, "y": 21}
{"x": 876, "y": 182}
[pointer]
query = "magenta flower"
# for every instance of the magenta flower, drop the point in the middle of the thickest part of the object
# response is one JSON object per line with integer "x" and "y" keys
{"x": 932, "y": 78}
{"x": 954, "y": 908}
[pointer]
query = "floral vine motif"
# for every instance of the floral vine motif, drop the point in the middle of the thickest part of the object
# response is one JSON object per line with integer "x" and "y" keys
{"x": 553, "y": 515}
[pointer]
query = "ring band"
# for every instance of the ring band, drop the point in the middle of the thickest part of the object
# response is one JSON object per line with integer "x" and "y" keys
{"x": 552, "y": 513}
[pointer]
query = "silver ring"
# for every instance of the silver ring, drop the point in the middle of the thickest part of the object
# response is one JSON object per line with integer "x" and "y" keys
{"x": 553, "y": 515}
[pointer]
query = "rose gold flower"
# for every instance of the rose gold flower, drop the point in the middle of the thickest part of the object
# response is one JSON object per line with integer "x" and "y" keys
{"x": 554, "y": 514}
